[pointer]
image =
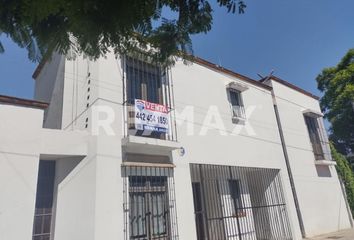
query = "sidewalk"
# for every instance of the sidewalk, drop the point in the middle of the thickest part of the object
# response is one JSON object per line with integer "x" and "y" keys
{"x": 342, "y": 235}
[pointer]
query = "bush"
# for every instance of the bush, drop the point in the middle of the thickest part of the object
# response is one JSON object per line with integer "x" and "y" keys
{"x": 346, "y": 175}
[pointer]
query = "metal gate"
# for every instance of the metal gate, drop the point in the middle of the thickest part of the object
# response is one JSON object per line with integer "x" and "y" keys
{"x": 149, "y": 203}
{"x": 239, "y": 203}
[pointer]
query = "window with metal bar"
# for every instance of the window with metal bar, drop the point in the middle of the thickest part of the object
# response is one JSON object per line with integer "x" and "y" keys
{"x": 149, "y": 203}
{"x": 44, "y": 201}
{"x": 198, "y": 210}
{"x": 148, "y": 208}
{"x": 234, "y": 185}
{"x": 238, "y": 203}
{"x": 144, "y": 81}
{"x": 237, "y": 104}
{"x": 314, "y": 134}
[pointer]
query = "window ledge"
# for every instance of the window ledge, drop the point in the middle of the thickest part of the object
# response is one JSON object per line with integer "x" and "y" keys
{"x": 145, "y": 164}
{"x": 325, "y": 162}
{"x": 312, "y": 113}
{"x": 237, "y": 86}
{"x": 138, "y": 144}
{"x": 238, "y": 120}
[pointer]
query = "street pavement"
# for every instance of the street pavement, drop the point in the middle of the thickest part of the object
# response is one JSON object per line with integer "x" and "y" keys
{"x": 341, "y": 235}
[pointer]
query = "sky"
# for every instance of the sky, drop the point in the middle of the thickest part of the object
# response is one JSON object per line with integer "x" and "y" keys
{"x": 296, "y": 39}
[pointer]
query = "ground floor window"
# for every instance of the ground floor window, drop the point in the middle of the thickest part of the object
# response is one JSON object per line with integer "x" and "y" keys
{"x": 236, "y": 203}
{"x": 149, "y": 206}
{"x": 44, "y": 201}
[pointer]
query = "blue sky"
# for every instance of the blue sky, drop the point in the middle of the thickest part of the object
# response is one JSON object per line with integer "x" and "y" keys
{"x": 296, "y": 39}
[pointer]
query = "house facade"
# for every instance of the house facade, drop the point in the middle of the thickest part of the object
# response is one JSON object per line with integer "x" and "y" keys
{"x": 127, "y": 149}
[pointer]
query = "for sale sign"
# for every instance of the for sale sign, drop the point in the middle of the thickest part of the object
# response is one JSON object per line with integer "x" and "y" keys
{"x": 151, "y": 116}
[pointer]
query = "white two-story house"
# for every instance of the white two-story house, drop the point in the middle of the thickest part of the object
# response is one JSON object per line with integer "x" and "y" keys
{"x": 123, "y": 148}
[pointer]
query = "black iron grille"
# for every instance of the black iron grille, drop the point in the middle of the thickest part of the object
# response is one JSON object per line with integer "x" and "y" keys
{"x": 149, "y": 203}
{"x": 239, "y": 203}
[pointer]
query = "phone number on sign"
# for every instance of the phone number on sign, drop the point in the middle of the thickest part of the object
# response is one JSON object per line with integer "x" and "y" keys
{"x": 151, "y": 118}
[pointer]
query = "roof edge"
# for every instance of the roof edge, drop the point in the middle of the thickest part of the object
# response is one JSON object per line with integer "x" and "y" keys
{"x": 290, "y": 85}
{"x": 218, "y": 68}
{"x": 39, "y": 68}
{"x": 195, "y": 59}
{"x": 23, "y": 102}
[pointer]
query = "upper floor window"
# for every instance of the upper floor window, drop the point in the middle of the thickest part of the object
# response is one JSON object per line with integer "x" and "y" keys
{"x": 144, "y": 81}
{"x": 237, "y": 107}
{"x": 314, "y": 134}
{"x": 318, "y": 136}
{"x": 235, "y": 90}
{"x": 148, "y": 99}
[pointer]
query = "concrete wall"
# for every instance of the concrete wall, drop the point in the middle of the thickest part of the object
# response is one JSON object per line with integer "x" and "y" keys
{"x": 75, "y": 200}
{"x": 23, "y": 143}
{"x": 47, "y": 78}
{"x": 80, "y": 91}
{"x": 320, "y": 196}
{"x": 107, "y": 93}
{"x": 49, "y": 86}
{"x": 90, "y": 198}
{"x": 257, "y": 144}
{"x": 19, "y": 157}
{"x": 202, "y": 88}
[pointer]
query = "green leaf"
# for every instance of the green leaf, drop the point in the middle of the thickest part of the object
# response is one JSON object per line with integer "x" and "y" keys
{"x": 98, "y": 26}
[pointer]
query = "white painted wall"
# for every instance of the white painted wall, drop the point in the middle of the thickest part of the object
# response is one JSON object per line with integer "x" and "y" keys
{"x": 63, "y": 167}
{"x": 80, "y": 89}
{"x": 103, "y": 170}
{"x": 23, "y": 143}
{"x": 49, "y": 88}
{"x": 75, "y": 201}
{"x": 107, "y": 85}
{"x": 320, "y": 197}
{"x": 201, "y": 88}
{"x": 47, "y": 78}
{"x": 90, "y": 197}
{"x": 19, "y": 155}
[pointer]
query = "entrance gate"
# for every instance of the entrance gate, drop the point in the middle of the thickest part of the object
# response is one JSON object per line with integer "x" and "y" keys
{"x": 239, "y": 203}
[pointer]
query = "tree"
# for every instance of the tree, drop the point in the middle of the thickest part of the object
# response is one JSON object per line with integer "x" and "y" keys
{"x": 337, "y": 83}
{"x": 92, "y": 27}
{"x": 346, "y": 175}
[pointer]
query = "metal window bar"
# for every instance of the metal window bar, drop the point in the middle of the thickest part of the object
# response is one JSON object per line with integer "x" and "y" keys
{"x": 238, "y": 109}
{"x": 324, "y": 140}
{"x": 143, "y": 79}
{"x": 318, "y": 140}
{"x": 42, "y": 222}
{"x": 239, "y": 112}
{"x": 149, "y": 203}
{"x": 236, "y": 203}
{"x": 44, "y": 201}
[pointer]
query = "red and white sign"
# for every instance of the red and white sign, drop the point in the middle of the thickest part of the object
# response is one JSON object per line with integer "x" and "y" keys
{"x": 150, "y": 116}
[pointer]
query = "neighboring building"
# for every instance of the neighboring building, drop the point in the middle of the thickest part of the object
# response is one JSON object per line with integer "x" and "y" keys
{"x": 227, "y": 158}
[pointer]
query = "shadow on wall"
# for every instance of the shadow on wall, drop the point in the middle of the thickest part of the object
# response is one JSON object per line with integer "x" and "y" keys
{"x": 323, "y": 171}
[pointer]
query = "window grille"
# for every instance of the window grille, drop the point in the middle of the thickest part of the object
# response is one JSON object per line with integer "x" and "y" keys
{"x": 149, "y": 203}
{"x": 144, "y": 81}
{"x": 151, "y": 82}
{"x": 313, "y": 129}
{"x": 239, "y": 203}
{"x": 44, "y": 201}
{"x": 238, "y": 109}
{"x": 318, "y": 137}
